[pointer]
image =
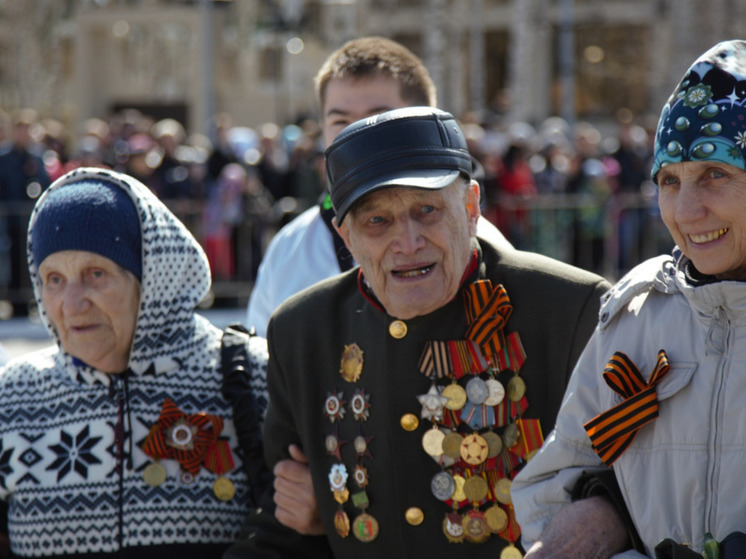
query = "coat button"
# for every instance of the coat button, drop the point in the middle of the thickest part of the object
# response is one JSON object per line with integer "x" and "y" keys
{"x": 414, "y": 516}
{"x": 398, "y": 329}
{"x": 409, "y": 422}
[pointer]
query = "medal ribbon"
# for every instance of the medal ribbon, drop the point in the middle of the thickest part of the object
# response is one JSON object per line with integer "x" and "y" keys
{"x": 530, "y": 437}
{"x": 487, "y": 311}
{"x": 613, "y": 431}
{"x": 157, "y": 446}
{"x": 453, "y": 358}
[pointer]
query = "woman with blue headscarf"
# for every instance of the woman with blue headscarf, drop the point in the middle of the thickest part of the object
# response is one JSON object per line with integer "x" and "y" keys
{"x": 659, "y": 394}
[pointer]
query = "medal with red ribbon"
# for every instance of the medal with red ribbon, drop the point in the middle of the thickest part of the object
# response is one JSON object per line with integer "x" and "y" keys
{"x": 483, "y": 438}
{"x": 193, "y": 441}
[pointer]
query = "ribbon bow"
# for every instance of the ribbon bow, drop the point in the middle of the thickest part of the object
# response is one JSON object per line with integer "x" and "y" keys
{"x": 614, "y": 430}
{"x": 487, "y": 311}
{"x": 191, "y": 439}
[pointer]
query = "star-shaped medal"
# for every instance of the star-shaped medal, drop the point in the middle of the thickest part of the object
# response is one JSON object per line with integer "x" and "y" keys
{"x": 334, "y": 406}
{"x": 432, "y": 404}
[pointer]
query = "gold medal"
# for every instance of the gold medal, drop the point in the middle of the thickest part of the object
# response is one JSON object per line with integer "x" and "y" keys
{"x": 432, "y": 441}
{"x": 458, "y": 492}
{"x": 452, "y": 527}
{"x": 511, "y": 552}
{"x": 497, "y": 519}
{"x": 352, "y": 363}
{"x": 516, "y": 389}
{"x": 456, "y": 396}
{"x": 365, "y": 528}
{"x": 342, "y": 523}
{"x": 398, "y": 329}
{"x": 223, "y": 489}
{"x": 475, "y": 527}
{"x": 409, "y": 422}
{"x": 474, "y": 449}
{"x": 452, "y": 445}
{"x": 414, "y": 516}
{"x": 502, "y": 490}
{"x": 494, "y": 443}
{"x": 154, "y": 474}
{"x": 341, "y": 495}
{"x": 476, "y": 488}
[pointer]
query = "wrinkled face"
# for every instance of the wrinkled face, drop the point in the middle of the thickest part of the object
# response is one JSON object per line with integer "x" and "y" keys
{"x": 350, "y": 99}
{"x": 92, "y": 303}
{"x": 413, "y": 245}
{"x": 703, "y": 204}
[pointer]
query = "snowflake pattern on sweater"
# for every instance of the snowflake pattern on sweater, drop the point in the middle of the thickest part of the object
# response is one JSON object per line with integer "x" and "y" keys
{"x": 71, "y": 436}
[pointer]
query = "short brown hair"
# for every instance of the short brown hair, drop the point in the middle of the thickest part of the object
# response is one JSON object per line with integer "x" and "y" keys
{"x": 371, "y": 56}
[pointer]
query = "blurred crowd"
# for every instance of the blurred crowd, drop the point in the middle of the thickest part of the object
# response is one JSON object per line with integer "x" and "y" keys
{"x": 573, "y": 193}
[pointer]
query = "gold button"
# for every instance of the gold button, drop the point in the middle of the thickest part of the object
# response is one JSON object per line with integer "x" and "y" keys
{"x": 409, "y": 422}
{"x": 398, "y": 329}
{"x": 414, "y": 516}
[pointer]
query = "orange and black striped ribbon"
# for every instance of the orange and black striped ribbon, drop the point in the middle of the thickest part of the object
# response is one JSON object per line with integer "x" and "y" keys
{"x": 487, "y": 311}
{"x": 614, "y": 430}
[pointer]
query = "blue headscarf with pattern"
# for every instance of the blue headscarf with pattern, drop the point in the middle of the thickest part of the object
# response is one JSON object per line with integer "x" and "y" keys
{"x": 705, "y": 117}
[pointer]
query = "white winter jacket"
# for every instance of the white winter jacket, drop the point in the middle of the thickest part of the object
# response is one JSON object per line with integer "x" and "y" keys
{"x": 682, "y": 474}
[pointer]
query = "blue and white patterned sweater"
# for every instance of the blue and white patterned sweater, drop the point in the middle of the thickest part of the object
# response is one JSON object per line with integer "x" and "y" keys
{"x": 71, "y": 485}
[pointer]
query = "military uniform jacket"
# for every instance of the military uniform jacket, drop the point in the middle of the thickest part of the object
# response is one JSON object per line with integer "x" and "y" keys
{"x": 555, "y": 310}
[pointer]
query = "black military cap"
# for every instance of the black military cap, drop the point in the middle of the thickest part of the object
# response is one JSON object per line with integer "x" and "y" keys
{"x": 417, "y": 147}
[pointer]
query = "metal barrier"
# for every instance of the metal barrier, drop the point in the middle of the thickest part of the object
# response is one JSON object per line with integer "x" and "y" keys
{"x": 607, "y": 235}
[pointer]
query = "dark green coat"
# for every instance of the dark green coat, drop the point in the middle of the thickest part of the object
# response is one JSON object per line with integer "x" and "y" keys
{"x": 555, "y": 310}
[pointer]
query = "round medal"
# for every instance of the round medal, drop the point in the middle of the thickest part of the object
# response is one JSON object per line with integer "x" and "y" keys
{"x": 442, "y": 486}
{"x": 476, "y": 488}
{"x": 365, "y": 528}
{"x": 475, "y": 527}
{"x": 494, "y": 443}
{"x": 223, "y": 489}
{"x": 456, "y": 396}
{"x": 511, "y": 552}
{"x": 502, "y": 490}
{"x": 495, "y": 391}
{"x": 342, "y": 523}
{"x": 452, "y": 445}
{"x": 432, "y": 441}
{"x": 452, "y": 527}
{"x": 474, "y": 449}
{"x": 352, "y": 363}
{"x": 497, "y": 519}
{"x": 186, "y": 478}
{"x": 458, "y": 493}
{"x": 154, "y": 474}
{"x": 516, "y": 389}
{"x": 476, "y": 391}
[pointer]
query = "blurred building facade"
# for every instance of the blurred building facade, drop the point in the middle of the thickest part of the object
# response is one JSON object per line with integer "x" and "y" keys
{"x": 255, "y": 59}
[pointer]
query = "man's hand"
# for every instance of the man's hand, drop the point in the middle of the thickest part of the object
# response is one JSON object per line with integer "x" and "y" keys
{"x": 586, "y": 529}
{"x": 294, "y": 496}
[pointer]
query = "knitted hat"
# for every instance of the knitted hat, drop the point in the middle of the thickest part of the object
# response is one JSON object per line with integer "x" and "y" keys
{"x": 89, "y": 215}
{"x": 417, "y": 147}
{"x": 705, "y": 117}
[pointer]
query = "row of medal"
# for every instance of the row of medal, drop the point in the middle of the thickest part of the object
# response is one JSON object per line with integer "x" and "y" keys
{"x": 364, "y": 526}
{"x": 476, "y": 464}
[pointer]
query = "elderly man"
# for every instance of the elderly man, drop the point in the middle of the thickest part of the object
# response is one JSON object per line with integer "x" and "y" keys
{"x": 363, "y": 77}
{"x": 419, "y": 381}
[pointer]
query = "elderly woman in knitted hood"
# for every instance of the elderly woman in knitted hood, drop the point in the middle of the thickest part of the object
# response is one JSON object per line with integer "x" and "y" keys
{"x": 118, "y": 440}
{"x": 660, "y": 390}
